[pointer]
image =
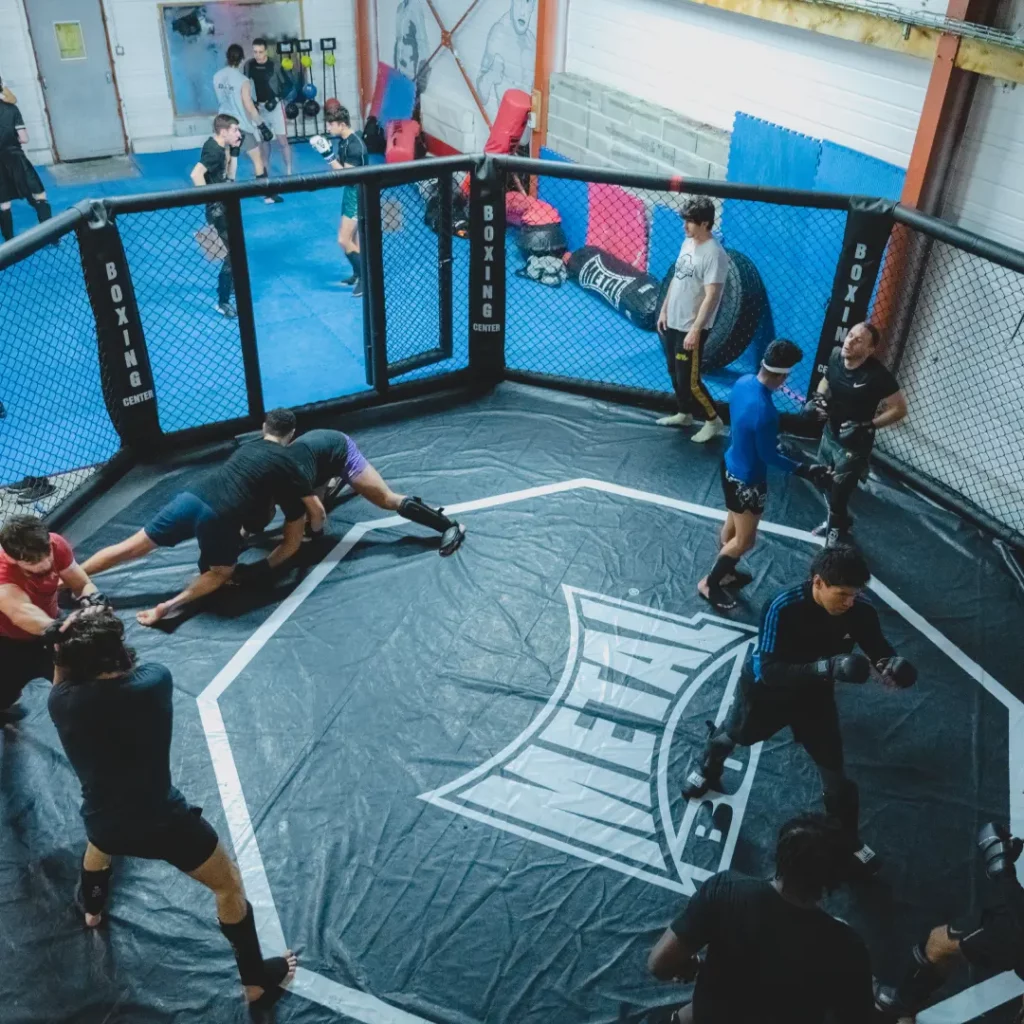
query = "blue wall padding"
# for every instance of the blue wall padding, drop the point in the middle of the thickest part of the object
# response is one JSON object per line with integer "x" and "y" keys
{"x": 399, "y": 99}
{"x": 570, "y": 198}
{"x": 666, "y": 237}
{"x": 795, "y": 249}
{"x": 842, "y": 169}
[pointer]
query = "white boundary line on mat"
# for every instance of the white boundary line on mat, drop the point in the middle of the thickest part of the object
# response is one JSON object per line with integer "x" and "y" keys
{"x": 360, "y": 1006}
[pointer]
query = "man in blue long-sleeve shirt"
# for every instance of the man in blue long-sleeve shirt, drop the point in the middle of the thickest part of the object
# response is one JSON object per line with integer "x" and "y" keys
{"x": 753, "y": 448}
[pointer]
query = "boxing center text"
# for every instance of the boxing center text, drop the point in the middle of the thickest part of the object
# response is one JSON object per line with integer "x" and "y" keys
{"x": 487, "y": 287}
{"x": 131, "y": 360}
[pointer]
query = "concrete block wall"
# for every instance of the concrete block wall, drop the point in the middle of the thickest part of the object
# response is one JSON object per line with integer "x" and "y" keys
{"x": 596, "y": 124}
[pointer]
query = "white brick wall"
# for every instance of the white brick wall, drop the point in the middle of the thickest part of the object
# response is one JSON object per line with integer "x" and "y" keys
{"x": 598, "y": 125}
{"x": 18, "y": 70}
{"x": 708, "y": 64}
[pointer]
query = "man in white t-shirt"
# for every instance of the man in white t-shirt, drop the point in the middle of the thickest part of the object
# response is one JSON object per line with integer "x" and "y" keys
{"x": 688, "y": 314}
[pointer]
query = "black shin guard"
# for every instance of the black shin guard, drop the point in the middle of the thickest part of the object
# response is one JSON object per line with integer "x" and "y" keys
{"x": 252, "y": 968}
{"x": 7, "y": 224}
{"x": 725, "y": 565}
{"x": 912, "y": 994}
{"x": 43, "y": 210}
{"x": 95, "y": 889}
{"x": 417, "y": 511}
{"x": 355, "y": 257}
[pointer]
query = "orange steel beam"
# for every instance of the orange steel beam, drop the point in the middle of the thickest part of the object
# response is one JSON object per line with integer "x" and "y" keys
{"x": 366, "y": 50}
{"x": 547, "y": 35}
{"x": 940, "y": 129}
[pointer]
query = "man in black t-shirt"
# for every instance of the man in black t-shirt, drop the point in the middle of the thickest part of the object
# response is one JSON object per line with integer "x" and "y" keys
{"x": 270, "y": 84}
{"x": 330, "y": 459}
{"x": 214, "y": 509}
{"x": 992, "y": 941}
{"x": 804, "y": 647}
{"x": 856, "y": 397}
{"x": 351, "y": 152}
{"x": 18, "y": 178}
{"x": 114, "y": 719}
{"x": 215, "y": 166}
{"x": 772, "y": 955}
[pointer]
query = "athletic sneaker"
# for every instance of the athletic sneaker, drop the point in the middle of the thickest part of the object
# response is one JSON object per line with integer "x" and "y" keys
{"x": 226, "y": 309}
{"x": 42, "y": 488}
{"x": 25, "y": 484}
{"x": 349, "y": 281}
{"x": 711, "y": 429}
{"x": 358, "y": 289}
{"x": 273, "y": 198}
{"x": 677, "y": 419}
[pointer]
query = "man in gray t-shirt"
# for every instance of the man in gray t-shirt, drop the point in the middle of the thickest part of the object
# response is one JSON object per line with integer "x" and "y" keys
{"x": 688, "y": 314}
{"x": 234, "y": 97}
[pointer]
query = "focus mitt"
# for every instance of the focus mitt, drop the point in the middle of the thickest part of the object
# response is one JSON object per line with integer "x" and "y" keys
{"x": 897, "y": 672}
{"x": 856, "y": 435}
{"x": 844, "y": 668}
{"x": 999, "y": 849}
{"x": 818, "y": 474}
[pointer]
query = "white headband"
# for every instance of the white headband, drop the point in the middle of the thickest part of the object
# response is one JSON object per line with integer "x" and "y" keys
{"x": 776, "y": 369}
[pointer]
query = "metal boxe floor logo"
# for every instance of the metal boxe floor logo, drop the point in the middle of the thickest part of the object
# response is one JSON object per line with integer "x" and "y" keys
{"x": 590, "y": 775}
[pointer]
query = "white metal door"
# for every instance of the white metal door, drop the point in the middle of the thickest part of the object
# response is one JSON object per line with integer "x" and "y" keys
{"x": 78, "y": 81}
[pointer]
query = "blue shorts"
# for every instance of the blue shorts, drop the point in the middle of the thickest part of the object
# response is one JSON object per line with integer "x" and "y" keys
{"x": 186, "y": 516}
{"x": 355, "y": 462}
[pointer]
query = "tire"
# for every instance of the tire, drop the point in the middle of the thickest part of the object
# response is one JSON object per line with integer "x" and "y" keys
{"x": 743, "y": 302}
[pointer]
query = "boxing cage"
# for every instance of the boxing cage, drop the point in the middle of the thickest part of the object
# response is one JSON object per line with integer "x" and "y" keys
{"x": 100, "y": 369}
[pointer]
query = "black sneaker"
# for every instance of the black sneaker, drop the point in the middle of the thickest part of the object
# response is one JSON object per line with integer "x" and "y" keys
{"x": 3, "y": 410}
{"x": 349, "y": 281}
{"x": 42, "y": 488}
{"x": 272, "y": 199}
{"x": 24, "y": 485}
{"x": 226, "y": 310}
{"x": 358, "y": 289}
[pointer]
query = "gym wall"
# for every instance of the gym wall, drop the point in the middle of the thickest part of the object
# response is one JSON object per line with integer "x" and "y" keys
{"x": 18, "y": 70}
{"x": 707, "y": 64}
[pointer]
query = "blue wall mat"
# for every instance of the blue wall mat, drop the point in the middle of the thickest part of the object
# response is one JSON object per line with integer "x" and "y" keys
{"x": 841, "y": 169}
{"x": 569, "y": 198}
{"x": 795, "y": 249}
{"x": 666, "y": 237}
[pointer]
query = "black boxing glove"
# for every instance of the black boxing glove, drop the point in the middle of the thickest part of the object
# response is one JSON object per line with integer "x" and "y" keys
{"x": 265, "y": 133}
{"x": 844, "y": 668}
{"x": 999, "y": 849}
{"x": 856, "y": 435}
{"x": 51, "y": 635}
{"x": 818, "y": 474}
{"x": 816, "y": 406}
{"x": 96, "y": 600}
{"x": 897, "y": 672}
{"x": 271, "y": 103}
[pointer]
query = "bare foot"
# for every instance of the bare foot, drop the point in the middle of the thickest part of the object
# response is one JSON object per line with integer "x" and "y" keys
{"x": 702, "y": 588}
{"x": 255, "y": 992}
{"x": 150, "y": 617}
{"x": 93, "y": 920}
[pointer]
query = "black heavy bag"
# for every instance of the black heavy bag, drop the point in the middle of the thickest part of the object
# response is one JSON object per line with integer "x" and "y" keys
{"x": 739, "y": 313}
{"x": 373, "y": 136}
{"x": 632, "y": 292}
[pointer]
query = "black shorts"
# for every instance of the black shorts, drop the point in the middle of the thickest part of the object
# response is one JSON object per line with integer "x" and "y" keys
{"x": 741, "y": 497}
{"x": 758, "y": 713}
{"x": 22, "y": 661}
{"x": 183, "y": 838}
{"x": 18, "y": 178}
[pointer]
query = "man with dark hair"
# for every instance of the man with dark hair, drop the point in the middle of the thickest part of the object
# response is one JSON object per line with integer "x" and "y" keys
{"x": 215, "y": 166}
{"x": 856, "y": 397}
{"x": 992, "y": 941}
{"x": 114, "y": 718}
{"x": 773, "y": 955}
{"x": 270, "y": 83}
{"x": 351, "y": 152}
{"x": 235, "y": 97}
{"x": 18, "y": 178}
{"x": 330, "y": 460}
{"x": 753, "y": 448}
{"x": 688, "y": 314}
{"x": 34, "y": 565}
{"x": 215, "y": 508}
{"x": 804, "y": 647}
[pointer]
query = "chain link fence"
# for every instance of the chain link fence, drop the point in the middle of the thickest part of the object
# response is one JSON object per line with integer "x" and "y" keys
{"x": 590, "y": 313}
{"x": 176, "y": 259}
{"x": 54, "y": 426}
{"x": 961, "y": 367}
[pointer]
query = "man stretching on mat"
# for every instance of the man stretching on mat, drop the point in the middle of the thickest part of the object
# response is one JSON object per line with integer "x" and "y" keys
{"x": 34, "y": 565}
{"x": 214, "y": 509}
{"x": 992, "y": 941}
{"x": 114, "y": 718}
{"x": 688, "y": 314}
{"x": 754, "y": 434}
{"x": 856, "y": 397}
{"x": 18, "y": 178}
{"x": 330, "y": 459}
{"x": 773, "y": 955}
{"x": 804, "y": 647}
{"x": 351, "y": 153}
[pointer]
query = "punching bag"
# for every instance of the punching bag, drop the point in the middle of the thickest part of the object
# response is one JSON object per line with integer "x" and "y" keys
{"x": 632, "y": 292}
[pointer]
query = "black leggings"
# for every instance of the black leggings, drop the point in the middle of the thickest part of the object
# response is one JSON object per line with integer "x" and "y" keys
{"x": 684, "y": 369}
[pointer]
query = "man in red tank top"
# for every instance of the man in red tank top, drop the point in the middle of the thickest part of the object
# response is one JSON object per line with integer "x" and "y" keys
{"x": 34, "y": 565}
